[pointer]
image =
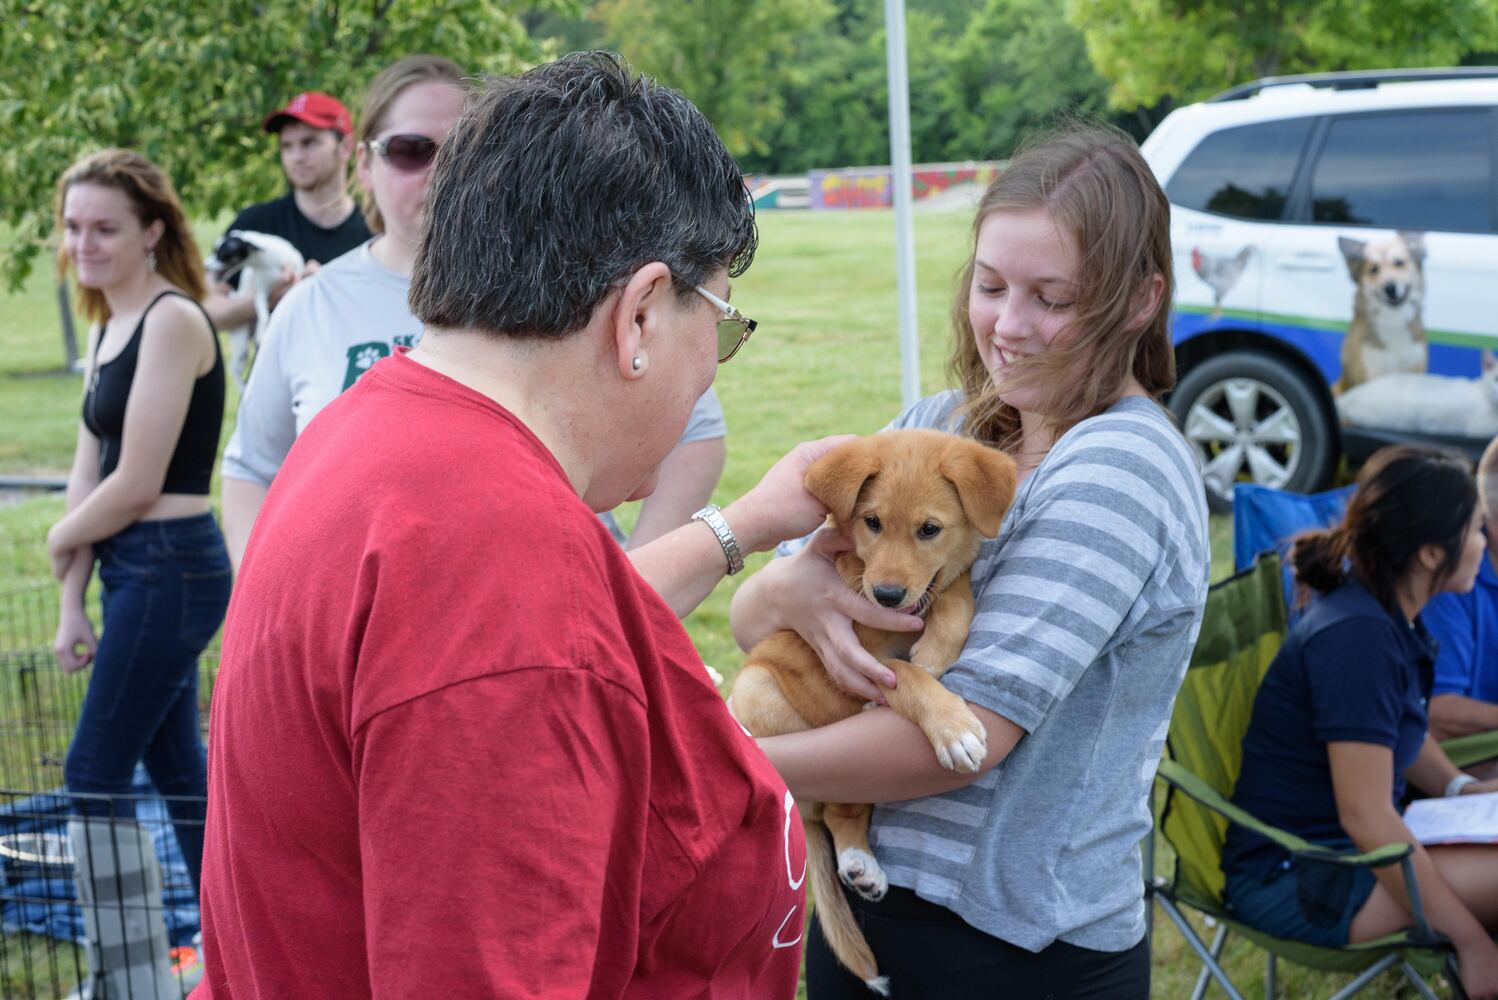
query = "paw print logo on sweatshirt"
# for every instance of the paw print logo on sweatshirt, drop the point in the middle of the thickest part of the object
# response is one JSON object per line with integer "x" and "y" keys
{"x": 361, "y": 358}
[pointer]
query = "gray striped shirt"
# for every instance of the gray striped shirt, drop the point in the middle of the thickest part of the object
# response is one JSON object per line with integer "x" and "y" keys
{"x": 1089, "y": 603}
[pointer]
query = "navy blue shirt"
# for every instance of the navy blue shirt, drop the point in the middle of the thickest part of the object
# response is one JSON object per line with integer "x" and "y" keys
{"x": 1349, "y": 671}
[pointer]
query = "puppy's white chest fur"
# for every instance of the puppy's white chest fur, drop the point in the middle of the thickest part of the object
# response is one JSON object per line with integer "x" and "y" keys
{"x": 1394, "y": 344}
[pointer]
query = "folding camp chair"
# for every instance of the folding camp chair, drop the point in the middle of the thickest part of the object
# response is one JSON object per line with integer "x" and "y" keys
{"x": 1242, "y": 630}
{"x": 1266, "y": 519}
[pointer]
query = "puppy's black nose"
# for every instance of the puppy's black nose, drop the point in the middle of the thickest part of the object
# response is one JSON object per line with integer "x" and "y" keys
{"x": 890, "y": 597}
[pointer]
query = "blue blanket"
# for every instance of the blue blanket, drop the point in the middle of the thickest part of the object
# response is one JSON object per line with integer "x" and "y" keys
{"x": 41, "y": 899}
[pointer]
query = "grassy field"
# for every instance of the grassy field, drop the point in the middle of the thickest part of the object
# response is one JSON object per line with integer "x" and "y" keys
{"x": 825, "y": 360}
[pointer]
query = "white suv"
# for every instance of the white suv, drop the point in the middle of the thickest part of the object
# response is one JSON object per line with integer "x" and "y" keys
{"x": 1336, "y": 251}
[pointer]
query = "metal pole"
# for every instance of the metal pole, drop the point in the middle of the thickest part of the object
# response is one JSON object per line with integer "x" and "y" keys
{"x": 899, "y": 148}
{"x": 69, "y": 337}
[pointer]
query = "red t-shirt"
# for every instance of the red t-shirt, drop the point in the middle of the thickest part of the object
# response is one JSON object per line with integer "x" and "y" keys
{"x": 459, "y": 748}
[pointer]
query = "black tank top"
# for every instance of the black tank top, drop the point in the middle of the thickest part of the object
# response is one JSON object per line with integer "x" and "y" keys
{"x": 191, "y": 467}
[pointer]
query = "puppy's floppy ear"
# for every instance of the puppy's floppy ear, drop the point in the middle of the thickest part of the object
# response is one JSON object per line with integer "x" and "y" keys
{"x": 1352, "y": 252}
{"x": 837, "y": 477}
{"x": 985, "y": 479}
{"x": 1416, "y": 242}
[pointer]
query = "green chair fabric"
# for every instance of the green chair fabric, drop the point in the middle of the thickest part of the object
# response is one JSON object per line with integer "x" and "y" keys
{"x": 1242, "y": 630}
{"x": 1468, "y": 750}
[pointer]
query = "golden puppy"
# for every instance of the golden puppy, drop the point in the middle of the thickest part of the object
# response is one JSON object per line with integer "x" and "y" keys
{"x": 916, "y": 504}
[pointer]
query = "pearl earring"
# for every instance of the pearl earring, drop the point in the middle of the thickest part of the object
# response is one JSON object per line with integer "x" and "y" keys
{"x": 636, "y": 363}
{"x": 151, "y": 260}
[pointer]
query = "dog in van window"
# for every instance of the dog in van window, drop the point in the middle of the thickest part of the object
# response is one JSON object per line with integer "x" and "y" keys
{"x": 1385, "y": 336}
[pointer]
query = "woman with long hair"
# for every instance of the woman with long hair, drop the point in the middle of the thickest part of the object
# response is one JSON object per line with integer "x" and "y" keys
{"x": 138, "y": 492}
{"x": 1088, "y": 603}
{"x": 1340, "y": 725}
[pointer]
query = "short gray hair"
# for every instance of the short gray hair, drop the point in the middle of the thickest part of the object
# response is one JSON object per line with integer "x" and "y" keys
{"x": 558, "y": 184}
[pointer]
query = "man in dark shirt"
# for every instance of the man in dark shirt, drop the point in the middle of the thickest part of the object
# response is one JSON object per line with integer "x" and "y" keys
{"x": 317, "y": 216}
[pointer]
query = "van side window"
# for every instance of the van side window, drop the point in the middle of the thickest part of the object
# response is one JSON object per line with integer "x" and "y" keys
{"x": 1423, "y": 170}
{"x": 1244, "y": 172}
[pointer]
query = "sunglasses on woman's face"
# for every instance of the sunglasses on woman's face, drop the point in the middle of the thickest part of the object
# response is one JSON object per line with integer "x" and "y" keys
{"x": 407, "y": 153}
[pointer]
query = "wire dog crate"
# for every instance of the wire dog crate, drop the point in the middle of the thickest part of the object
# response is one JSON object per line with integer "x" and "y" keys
{"x": 133, "y": 932}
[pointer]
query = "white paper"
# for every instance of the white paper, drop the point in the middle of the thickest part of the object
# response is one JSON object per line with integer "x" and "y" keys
{"x": 1460, "y": 819}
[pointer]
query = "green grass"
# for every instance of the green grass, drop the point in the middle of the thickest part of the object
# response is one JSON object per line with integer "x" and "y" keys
{"x": 825, "y": 360}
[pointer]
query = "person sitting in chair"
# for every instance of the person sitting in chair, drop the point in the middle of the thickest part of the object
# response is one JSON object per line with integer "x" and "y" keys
{"x": 1466, "y": 626}
{"x": 1339, "y": 725}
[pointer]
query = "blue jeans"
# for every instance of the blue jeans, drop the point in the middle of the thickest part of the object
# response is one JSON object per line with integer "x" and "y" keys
{"x": 166, "y": 588}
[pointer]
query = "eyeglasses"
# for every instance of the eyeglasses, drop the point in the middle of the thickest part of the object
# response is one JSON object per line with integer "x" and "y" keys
{"x": 409, "y": 154}
{"x": 733, "y": 329}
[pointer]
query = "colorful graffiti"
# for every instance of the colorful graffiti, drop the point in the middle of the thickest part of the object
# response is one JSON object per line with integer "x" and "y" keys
{"x": 850, "y": 189}
{"x": 927, "y": 182}
{"x": 872, "y": 187}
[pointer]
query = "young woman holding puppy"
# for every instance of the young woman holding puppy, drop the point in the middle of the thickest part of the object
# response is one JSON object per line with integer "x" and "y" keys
{"x": 1026, "y": 875}
{"x": 138, "y": 492}
{"x": 1340, "y": 725}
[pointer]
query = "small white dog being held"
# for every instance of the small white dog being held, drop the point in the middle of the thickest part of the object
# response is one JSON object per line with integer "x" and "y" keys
{"x": 261, "y": 260}
{"x": 1431, "y": 404}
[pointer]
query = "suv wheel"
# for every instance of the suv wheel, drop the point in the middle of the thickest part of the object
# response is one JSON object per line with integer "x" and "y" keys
{"x": 1253, "y": 418}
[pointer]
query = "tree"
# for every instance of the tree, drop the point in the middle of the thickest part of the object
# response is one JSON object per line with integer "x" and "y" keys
{"x": 173, "y": 80}
{"x": 730, "y": 57}
{"x": 1190, "y": 49}
{"x": 836, "y": 103}
{"x": 1017, "y": 64}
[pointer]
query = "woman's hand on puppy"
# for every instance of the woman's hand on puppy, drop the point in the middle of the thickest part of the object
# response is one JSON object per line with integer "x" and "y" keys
{"x": 778, "y": 506}
{"x": 805, "y": 594}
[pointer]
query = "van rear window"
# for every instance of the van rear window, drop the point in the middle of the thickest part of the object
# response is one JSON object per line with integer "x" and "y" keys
{"x": 1244, "y": 172}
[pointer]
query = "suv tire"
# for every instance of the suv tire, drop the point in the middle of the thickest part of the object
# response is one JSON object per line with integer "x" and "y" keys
{"x": 1244, "y": 412}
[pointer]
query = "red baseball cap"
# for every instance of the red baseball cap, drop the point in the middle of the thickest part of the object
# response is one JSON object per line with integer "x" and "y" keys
{"x": 313, "y": 108}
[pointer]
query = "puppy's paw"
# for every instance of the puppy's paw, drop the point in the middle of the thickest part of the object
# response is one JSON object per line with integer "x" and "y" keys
{"x": 959, "y": 739}
{"x": 861, "y": 873}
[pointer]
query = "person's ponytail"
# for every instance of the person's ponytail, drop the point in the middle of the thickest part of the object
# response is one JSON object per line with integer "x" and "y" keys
{"x": 1408, "y": 497}
{"x": 1319, "y": 559}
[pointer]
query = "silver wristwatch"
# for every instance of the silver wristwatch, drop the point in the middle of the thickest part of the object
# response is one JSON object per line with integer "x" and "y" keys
{"x": 712, "y": 516}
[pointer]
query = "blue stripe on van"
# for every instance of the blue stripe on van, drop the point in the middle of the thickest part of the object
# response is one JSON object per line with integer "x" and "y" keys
{"x": 1321, "y": 341}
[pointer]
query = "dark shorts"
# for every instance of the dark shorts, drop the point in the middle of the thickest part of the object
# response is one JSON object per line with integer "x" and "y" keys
{"x": 1301, "y": 900}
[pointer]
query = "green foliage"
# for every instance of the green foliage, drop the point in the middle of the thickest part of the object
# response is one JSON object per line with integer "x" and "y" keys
{"x": 977, "y": 83}
{"x": 1018, "y": 64}
{"x": 835, "y": 100}
{"x": 726, "y": 55}
{"x": 1190, "y": 49}
{"x": 188, "y": 85}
